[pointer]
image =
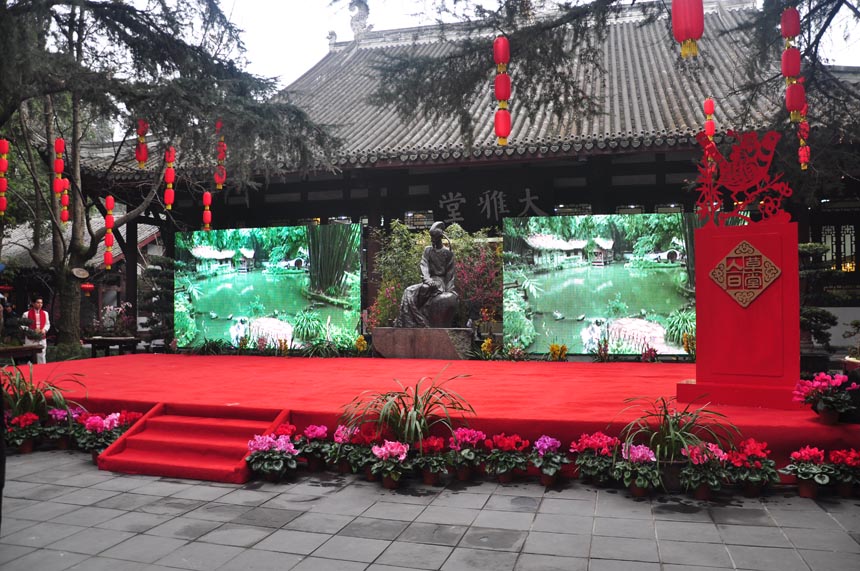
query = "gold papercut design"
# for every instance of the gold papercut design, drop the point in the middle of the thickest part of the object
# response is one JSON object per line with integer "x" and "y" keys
{"x": 745, "y": 273}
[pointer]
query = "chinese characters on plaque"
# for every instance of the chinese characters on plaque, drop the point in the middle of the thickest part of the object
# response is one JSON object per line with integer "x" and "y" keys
{"x": 745, "y": 273}
{"x": 493, "y": 205}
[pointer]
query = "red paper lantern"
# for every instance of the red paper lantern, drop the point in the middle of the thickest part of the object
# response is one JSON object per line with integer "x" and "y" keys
{"x": 141, "y": 154}
{"x": 221, "y": 149}
{"x": 207, "y": 198}
{"x": 803, "y": 130}
{"x": 59, "y": 185}
{"x": 709, "y": 106}
{"x": 688, "y": 25}
{"x": 109, "y": 202}
{"x": 220, "y": 176}
{"x": 501, "y": 53}
{"x": 503, "y": 88}
{"x": 503, "y": 125}
{"x": 791, "y": 62}
{"x": 4, "y": 164}
{"x": 795, "y": 100}
{"x": 170, "y": 155}
{"x": 4, "y": 147}
{"x": 64, "y": 216}
{"x": 59, "y": 166}
{"x": 142, "y": 128}
{"x": 4, "y": 184}
{"x": 790, "y": 23}
{"x": 59, "y": 146}
{"x": 87, "y": 288}
{"x": 3, "y": 204}
{"x": 109, "y": 221}
{"x": 169, "y": 175}
{"x": 207, "y": 217}
{"x": 168, "y": 198}
{"x": 109, "y": 240}
{"x": 108, "y": 259}
{"x": 710, "y": 128}
{"x": 64, "y": 200}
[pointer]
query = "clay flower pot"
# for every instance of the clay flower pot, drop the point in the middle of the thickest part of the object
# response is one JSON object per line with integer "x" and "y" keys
{"x": 505, "y": 477}
{"x": 464, "y": 473}
{"x": 369, "y": 475}
{"x": 807, "y": 489}
{"x": 828, "y": 416}
{"x": 702, "y": 493}
{"x": 26, "y": 447}
{"x": 315, "y": 464}
{"x": 752, "y": 489}
{"x": 547, "y": 480}
{"x": 390, "y": 483}
{"x": 638, "y": 492}
{"x": 430, "y": 478}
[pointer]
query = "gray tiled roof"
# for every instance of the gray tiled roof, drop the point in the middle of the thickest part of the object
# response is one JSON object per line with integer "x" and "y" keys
{"x": 649, "y": 100}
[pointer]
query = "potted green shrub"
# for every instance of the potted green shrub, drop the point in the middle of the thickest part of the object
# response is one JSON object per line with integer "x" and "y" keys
{"x": 668, "y": 430}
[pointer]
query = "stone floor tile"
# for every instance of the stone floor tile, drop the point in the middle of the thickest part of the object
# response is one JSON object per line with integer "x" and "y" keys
{"x": 14, "y": 525}
{"x": 43, "y": 511}
{"x": 450, "y": 499}
{"x": 374, "y": 528}
{"x": 768, "y": 558}
{"x": 615, "y": 506}
{"x": 693, "y": 553}
{"x": 291, "y": 541}
{"x": 699, "y": 532}
{"x": 414, "y": 555}
{"x": 824, "y": 540}
{"x": 144, "y": 548}
{"x": 752, "y": 535}
{"x": 464, "y": 559}
{"x": 619, "y": 565}
{"x": 184, "y": 528}
{"x": 392, "y": 510}
{"x": 434, "y": 533}
{"x": 203, "y": 493}
{"x": 44, "y": 560}
{"x": 572, "y": 491}
{"x": 43, "y": 534}
{"x": 91, "y": 541}
{"x": 162, "y": 488}
{"x": 11, "y": 505}
{"x": 237, "y": 535}
{"x": 135, "y": 522}
{"x": 810, "y": 519}
{"x": 320, "y": 564}
{"x": 352, "y": 548}
{"x": 624, "y": 548}
{"x": 829, "y": 560}
{"x": 213, "y": 511}
{"x": 741, "y": 516}
{"x": 44, "y": 492}
{"x": 562, "y": 544}
{"x": 520, "y": 489}
{"x": 127, "y": 501}
{"x": 848, "y": 521}
{"x": 88, "y": 516}
{"x": 320, "y": 522}
{"x": 251, "y": 498}
{"x": 266, "y": 517}
{"x": 500, "y": 502}
{"x": 99, "y": 563}
{"x": 200, "y": 556}
{"x": 566, "y": 507}
{"x": 260, "y": 560}
{"x": 121, "y": 484}
{"x": 536, "y": 562}
{"x": 172, "y": 506}
{"x": 504, "y": 520}
{"x": 349, "y": 505}
{"x": 563, "y": 523}
{"x": 619, "y": 527}
{"x": 10, "y": 552}
{"x": 496, "y": 539}
{"x": 679, "y": 510}
{"x": 447, "y": 515}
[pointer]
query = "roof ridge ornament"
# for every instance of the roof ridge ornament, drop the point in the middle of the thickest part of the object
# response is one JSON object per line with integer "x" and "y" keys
{"x": 358, "y": 22}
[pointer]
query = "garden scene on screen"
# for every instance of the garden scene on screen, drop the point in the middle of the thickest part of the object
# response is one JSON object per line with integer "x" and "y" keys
{"x": 626, "y": 282}
{"x": 268, "y": 288}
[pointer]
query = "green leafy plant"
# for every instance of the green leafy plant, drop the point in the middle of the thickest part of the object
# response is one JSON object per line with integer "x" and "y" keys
{"x": 678, "y": 323}
{"x": 25, "y": 394}
{"x": 808, "y": 464}
{"x": 320, "y": 348}
{"x": 667, "y": 430}
{"x": 409, "y": 413}
{"x": 637, "y": 466}
{"x": 214, "y": 347}
{"x": 271, "y": 456}
{"x": 750, "y": 464}
{"x": 505, "y": 454}
{"x": 706, "y": 466}
{"x": 595, "y": 455}
{"x": 546, "y": 456}
{"x": 617, "y": 307}
{"x": 308, "y": 325}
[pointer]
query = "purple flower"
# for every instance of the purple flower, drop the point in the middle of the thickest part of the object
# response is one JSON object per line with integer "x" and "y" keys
{"x": 546, "y": 444}
{"x": 58, "y": 414}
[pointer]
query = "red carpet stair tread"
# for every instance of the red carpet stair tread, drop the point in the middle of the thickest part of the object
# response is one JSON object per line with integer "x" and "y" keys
{"x": 185, "y": 442}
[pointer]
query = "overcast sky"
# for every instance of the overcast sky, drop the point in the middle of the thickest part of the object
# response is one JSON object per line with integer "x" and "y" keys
{"x": 285, "y": 38}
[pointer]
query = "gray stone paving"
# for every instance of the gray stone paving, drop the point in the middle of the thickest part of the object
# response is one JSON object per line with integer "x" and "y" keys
{"x": 60, "y": 512}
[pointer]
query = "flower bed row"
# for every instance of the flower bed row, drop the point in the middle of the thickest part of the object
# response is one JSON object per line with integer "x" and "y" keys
{"x": 67, "y": 427}
{"x": 597, "y": 457}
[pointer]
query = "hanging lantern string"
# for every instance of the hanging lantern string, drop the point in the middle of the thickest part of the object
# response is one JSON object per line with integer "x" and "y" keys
{"x": 109, "y": 222}
{"x": 502, "y": 86}
{"x": 795, "y": 91}
{"x": 141, "y": 152}
{"x": 61, "y": 185}
{"x": 688, "y": 25}
{"x": 4, "y": 182}
{"x": 710, "y": 130}
{"x": 169, "y": 177}
{"x": 220, "y": 175}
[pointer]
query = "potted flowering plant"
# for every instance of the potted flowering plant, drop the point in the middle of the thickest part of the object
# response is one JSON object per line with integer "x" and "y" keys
{"x": 637, "y": 468}
{"x": 431, "y": 459}
{"x": 750, "y": 467}
{"x": 314, "y": 446}
{"x": 270, "y": 456}
{"x": 338, "y": 453}
{"x": 705, "y": 470}
{"x": 391, "y": 461}
{"x": 595, "y": 455}
{"x": 845, "y": 464}
{"x": 504, "y": 455}
{"x": 827, "y": 395}
{"x": 22, "y": 430}
{"x": 546, "y": 458}
{"x": 464, "y": 453}
{"x": 808, "y": 466}
{"x": 95, "y": 432}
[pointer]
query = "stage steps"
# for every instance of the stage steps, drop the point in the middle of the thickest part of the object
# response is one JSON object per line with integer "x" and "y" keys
{"x": 189, "y": 441}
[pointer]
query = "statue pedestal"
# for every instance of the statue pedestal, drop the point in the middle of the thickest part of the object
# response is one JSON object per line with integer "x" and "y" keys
{"x": 422, "y": 342}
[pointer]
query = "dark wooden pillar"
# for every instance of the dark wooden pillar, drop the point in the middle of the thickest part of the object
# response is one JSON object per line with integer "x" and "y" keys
{"x": 131, "y": 264}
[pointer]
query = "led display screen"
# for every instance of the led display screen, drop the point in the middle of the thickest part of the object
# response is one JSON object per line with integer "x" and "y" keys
{"x": 622, "y": 283}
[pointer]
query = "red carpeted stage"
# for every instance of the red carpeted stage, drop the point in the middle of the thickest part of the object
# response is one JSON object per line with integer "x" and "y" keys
{"x": 240, "y": 395}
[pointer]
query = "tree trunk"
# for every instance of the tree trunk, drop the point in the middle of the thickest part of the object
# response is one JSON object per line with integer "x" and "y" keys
{"x": 68, "y": 327}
